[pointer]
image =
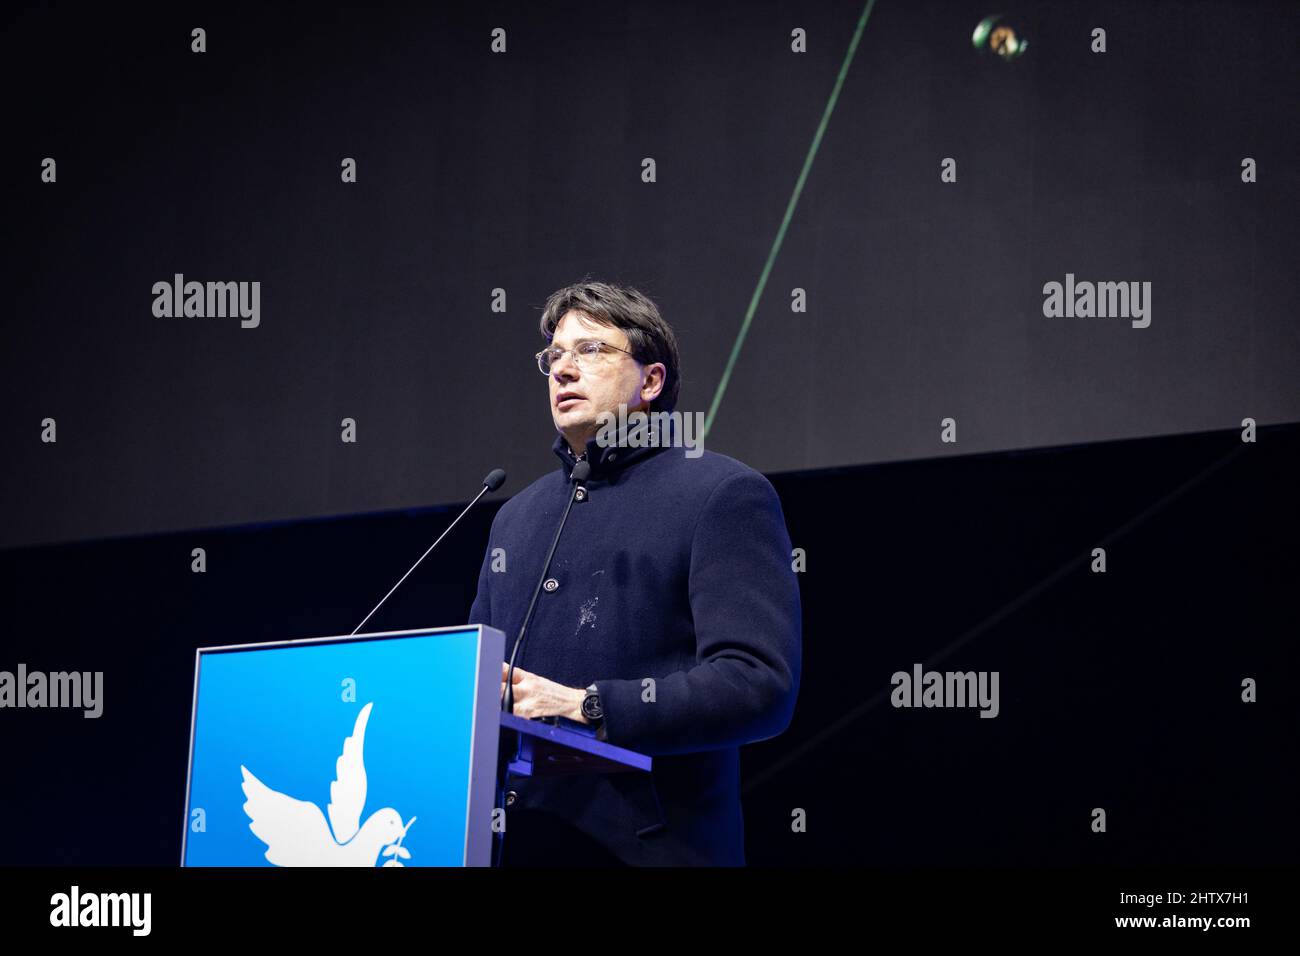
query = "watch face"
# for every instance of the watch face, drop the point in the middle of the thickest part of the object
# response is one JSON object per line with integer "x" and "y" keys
{"x": 591, "y": 707}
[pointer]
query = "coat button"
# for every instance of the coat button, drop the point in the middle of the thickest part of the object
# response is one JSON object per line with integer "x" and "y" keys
{"x": 613, "y": 456}
{"x": 511, "y": 797}
{"x": 551, "y": 584}
{"x": 581, "y": 494}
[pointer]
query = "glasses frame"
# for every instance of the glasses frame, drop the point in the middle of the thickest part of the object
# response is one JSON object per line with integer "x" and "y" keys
{"x": 574, "y": 352}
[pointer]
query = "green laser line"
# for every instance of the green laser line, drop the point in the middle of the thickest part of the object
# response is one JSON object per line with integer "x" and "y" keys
{"x": 785, "y": 222}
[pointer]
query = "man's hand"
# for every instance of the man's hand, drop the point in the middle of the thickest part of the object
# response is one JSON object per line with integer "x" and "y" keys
{"x": 536, "y": 696}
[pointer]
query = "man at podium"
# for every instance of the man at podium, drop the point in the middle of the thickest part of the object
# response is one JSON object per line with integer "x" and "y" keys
{"x": 669, "y": 616}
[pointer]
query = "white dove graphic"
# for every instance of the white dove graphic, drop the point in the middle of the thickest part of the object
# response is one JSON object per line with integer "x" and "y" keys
{"x": 295, "y": 831}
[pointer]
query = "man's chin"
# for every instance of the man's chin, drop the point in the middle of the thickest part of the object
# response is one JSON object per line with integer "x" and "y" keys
{"x": 571, "y": 424}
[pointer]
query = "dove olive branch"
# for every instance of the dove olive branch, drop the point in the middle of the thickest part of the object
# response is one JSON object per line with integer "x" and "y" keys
{"x": 396, "y": 849}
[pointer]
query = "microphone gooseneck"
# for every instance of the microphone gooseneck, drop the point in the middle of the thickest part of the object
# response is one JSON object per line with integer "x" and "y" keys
{"x": 491, "y": 482}
{"x": 581, "y": 472}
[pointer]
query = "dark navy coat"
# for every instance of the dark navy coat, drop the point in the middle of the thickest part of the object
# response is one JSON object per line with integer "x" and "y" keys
{"x": 675, "y": 569}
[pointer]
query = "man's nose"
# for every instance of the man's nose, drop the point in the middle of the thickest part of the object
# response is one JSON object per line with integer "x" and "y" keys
{"x": 565, "y": 369}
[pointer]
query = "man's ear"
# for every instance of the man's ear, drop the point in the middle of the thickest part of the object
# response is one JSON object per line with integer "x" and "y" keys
{"x": 656, "y": 376}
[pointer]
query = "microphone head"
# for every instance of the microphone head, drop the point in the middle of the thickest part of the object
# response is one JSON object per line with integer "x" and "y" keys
{"x": 581, "y": 471}
{"x": 495, "y": 479}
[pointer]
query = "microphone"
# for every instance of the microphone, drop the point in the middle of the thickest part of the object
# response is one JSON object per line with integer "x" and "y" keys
{"x": 491, "y": 482}
{"x": 581, "y": 472}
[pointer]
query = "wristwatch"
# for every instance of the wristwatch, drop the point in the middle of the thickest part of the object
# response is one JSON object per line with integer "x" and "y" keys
{"x": 591, "y": 708}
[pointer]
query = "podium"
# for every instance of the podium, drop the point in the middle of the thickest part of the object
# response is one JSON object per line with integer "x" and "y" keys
{"x": 381, "y": 749}
{"x": 543, "y": 748}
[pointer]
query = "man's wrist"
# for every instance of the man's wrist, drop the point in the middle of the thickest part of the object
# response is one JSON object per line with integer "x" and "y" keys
{"x": 576, "y": 713}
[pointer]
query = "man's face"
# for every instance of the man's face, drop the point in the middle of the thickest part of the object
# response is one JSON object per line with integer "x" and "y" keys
{"x": 580, "y": 395}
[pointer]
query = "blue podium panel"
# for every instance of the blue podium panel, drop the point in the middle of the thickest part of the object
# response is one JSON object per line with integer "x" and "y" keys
{"x": 373, "y": 750}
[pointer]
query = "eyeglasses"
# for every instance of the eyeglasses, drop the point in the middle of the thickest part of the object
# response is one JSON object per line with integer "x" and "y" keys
{"x": 587, "y": 355}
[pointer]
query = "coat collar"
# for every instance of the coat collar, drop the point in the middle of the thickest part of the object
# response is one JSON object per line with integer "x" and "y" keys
{"x": 605, "y": 460}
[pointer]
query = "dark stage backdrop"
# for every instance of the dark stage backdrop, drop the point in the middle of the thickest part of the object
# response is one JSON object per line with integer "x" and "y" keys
{"x": 1120, "y": 691}
{"x": 407, "y": 301}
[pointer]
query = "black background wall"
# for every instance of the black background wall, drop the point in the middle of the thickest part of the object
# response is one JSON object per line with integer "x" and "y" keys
{"x": 1119, "y": 690}
{"x": 522, "y": 172}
